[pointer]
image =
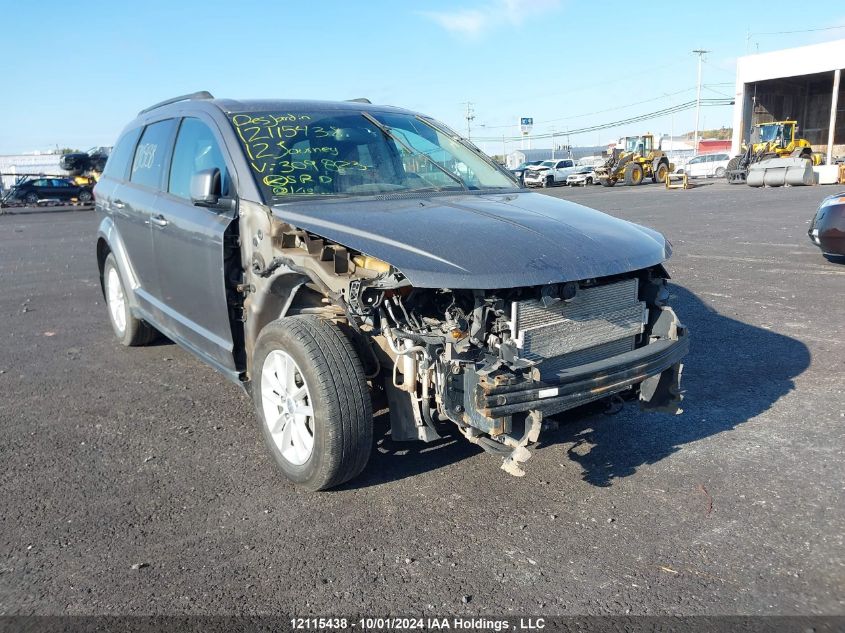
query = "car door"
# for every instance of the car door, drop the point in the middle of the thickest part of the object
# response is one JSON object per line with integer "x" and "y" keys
{"x": 42, "y": 188}
{"x": 132, "y": 203}
{"x": 190, "y": 245}
{"x": 62, "y": 189}
{"x": 694, "y": 167}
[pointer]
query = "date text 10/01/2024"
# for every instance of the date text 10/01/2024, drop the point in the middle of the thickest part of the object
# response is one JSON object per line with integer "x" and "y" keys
{"x": 419, "y": 624}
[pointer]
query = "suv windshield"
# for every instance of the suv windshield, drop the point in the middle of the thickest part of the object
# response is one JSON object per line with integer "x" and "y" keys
{"x": 346, "y": 153}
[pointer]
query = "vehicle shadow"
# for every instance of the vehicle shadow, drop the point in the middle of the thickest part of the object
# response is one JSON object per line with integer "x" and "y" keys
{"x": 734, "y": 372}
{"x": 392, "y": 461}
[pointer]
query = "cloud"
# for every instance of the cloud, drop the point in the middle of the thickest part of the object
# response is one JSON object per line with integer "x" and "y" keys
{"x": 487, "y": 17}
{"x": 466, "y": 22}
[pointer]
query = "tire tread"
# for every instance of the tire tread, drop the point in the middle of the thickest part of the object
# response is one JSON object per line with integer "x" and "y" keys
{"x": 344, "y": 393}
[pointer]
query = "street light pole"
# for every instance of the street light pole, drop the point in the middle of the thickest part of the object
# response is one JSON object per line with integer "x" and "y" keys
{"x": 700, "y": 52}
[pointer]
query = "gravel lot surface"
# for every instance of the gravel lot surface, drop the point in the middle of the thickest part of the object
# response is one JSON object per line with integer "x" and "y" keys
{"x": 135, "y": 481}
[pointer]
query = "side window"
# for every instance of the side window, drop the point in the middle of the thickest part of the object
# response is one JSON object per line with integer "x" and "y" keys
{"x": 151, "y": 153}
{"x": 568, "y": 163}
{"x": 60, "y": 183}
{"x": 41, "y": 182}
{"x": 196, "y": 149}
{"x": 120, "y": 156}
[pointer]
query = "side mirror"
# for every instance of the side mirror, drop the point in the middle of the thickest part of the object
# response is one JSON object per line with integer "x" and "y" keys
{"x": 205, "y": 187}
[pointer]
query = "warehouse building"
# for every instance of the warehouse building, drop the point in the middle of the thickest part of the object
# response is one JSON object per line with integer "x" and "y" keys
{"x": 12, "y": 167}
{"x": 801, "y": 84}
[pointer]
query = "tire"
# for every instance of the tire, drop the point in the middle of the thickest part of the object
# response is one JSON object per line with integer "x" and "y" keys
{"x": 331, "y": 444}
{"x": 84, "y": 196}
{"x": 720, "y": 172}
{"x": 607, "y": 182}
{"x": 733, "y": 164}
{"x": 31, "y": 198}
{"x": 129, "y": 331}
{"x": 660, "y": 173}
{"x": 589, "y": 181}
{"x": 633, "y": 174}
{"x": 548, "y": 182}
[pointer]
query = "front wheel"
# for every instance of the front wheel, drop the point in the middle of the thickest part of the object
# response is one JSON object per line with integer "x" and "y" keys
{"x": 548, "y": 182}
{"x": 84, "y": 196}
{"x": 312, "y": 401}
{"x": 661, "y": 172}
{"x": 633, "y": 174}
{"x": 31, "y": 198}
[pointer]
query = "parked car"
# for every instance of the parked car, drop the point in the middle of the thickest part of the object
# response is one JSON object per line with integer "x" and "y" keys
{"x": 549, "y": 172}
{"x": 827, "y": 229}
{"x": 34, "y": 190}
{"x": 315, "y": 252}
{"x": 705, "y": 166}
{"x": 583, "y": 176}
{"x": 520, "y": 171}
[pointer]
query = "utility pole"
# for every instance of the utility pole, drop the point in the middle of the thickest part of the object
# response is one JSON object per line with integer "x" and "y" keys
{"x": 554, "y": 129}
{"x": 700, "y": 52}
{"x": 470, "y": 115}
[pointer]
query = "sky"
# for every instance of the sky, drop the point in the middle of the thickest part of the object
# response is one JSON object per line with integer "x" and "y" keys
{"x": 76, "y": 81}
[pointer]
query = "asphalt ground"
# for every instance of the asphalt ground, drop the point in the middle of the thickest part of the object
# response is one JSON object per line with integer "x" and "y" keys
{"x": 134, "y": 481}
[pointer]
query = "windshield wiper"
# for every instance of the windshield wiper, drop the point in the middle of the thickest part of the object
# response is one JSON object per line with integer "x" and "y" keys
{"x": 386, "y": 131}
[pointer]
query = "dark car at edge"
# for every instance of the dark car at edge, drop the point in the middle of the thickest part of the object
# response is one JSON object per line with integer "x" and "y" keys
{"x": 827, "y": 228}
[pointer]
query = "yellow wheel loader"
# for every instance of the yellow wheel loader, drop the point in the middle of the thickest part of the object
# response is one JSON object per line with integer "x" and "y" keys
{"x": 634, "y": 159}
{"x": 770, "y": 140}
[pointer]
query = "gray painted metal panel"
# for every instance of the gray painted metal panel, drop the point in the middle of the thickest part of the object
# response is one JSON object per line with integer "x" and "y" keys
{"x": 483, "y": 241}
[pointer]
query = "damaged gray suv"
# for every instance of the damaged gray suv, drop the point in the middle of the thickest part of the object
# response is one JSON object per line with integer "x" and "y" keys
{"x": 324, "y": 254}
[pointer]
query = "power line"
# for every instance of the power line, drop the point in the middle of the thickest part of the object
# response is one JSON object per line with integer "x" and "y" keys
{"x": 581, "y": 116}
{"x": 826, "y": 28}
{"x": 634, "y": 119}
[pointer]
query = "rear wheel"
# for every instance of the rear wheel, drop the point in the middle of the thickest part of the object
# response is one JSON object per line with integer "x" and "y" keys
{"x": 661, "y": 172}
{"x": 633, "y": 174}
{"x": 129, "y": 330}
{"x": 720, "y": 172}
{"x": 312, "y": 400}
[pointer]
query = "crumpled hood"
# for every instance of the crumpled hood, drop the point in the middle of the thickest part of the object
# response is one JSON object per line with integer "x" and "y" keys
{"x": 483, "y": 241}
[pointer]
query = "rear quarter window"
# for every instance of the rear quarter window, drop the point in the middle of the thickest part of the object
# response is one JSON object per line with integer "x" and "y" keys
{"x": 117, "y": 163}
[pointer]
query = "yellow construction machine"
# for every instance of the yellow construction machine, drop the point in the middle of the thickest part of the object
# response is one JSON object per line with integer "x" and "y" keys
{"x": 770, "y": 140}
{"x": 634, "y": 159}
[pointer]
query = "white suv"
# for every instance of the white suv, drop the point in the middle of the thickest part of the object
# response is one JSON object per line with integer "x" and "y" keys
{"x": 706, "y": 165}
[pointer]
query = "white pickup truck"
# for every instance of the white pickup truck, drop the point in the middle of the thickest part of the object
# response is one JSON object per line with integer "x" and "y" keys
{"x": 549, "y": 172}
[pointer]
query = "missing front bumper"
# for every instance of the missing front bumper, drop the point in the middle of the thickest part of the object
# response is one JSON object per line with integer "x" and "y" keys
{"x": 489, "y": 402}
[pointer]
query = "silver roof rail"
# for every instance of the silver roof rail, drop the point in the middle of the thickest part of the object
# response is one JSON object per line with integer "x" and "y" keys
{"x": 202, "y": 94}
{"x": 360, "y": 100}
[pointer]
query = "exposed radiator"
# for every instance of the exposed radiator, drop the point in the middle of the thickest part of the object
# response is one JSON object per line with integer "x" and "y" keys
{"x": 595, "y": 317}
